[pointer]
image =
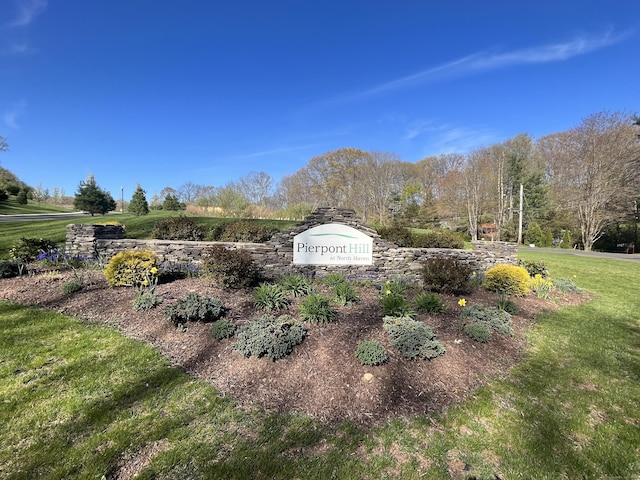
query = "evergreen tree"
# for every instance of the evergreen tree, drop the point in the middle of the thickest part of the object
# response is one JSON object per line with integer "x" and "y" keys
{"x": 21, "y": 198}
{"x": 92, "y": 199}
{"x": 171, "y": 203}
{"x": 534, "y": 234}
{"x": 138, "y": 204}
{"x": 566, "y": 240}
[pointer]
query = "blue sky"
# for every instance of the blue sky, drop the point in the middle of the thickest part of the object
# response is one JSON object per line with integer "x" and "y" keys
{"x": 162, "y": 92}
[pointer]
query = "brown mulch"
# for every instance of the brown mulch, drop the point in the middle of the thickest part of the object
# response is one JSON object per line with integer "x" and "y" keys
{"x": 322, "y": 377}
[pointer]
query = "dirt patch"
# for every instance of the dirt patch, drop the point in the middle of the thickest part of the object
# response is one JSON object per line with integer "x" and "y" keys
{"x": 322, "y": 377}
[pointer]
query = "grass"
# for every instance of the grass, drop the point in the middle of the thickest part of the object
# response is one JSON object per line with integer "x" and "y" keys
{"x": 139, "y": 227}
{"x": 12, "y": 207}
{"x": 568, "y": 410}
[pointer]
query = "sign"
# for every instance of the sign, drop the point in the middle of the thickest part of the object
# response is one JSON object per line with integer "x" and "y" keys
{"x": 332, "y": 244}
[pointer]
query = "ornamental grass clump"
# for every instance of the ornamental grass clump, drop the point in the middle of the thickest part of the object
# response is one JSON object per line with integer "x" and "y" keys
{"x": 413, "y": 338}
{"x": 317, "y": 309}
{"x": 371, "y": 353}
{"x": 508, "y": 280}
{"x": 296, "y": 285}
{"x": 270, "y": 297}
{"x": 429, "y": 302}
{"x": 346, "y": 294}
{"x": 269, "y": 336}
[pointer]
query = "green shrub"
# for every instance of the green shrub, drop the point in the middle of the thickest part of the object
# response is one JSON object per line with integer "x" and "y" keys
{"x": 566, "y": 285}
{"x": 346, "y": 294}
{"x": 296, "y": 285}
{"x": 223, "y": 328}
{"x": 146, "y": 301}
{"x": 429, "y": 302}
{"x": 370, "y": 352}
{"x": 177, "y": 228}
{"x": 446, "y": 275}
{"x": 492, "y": 317}
{"x": 12, "y": 268}
{"x": 399, "y": 235}
{"x": 230, "y": 268}
{"x": 317, "y": 309}
{"x": 270, "y": 297}
{"x": 412, "y": 338}
{"x": 195, "y": 308}
{"x": 566, "y": 240}
{"x": 269, "y": 336}
{"x": 72, "y": 286}
{"x": 438, "y": 239}
{"x": 394, "y": 305}
{"x": 28, "y": 249}
{"x": 243, "y": 231}
{"x": 132, "y": 268}
{"x": 334, "y": 279}
{"x": 507, "y": 279}
{"x": 479, "y": 332}
{"x": 534, "y": 267}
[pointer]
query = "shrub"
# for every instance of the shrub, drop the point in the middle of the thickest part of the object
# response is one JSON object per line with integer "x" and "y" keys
{"x": 131, "y": 268}
{"x": 195, "y": 308}
{"x": 346, "y": 294}
{"x": 223, "y": 328}
{"x": 534, "y": 267}
{"x": 492, "y": 317}
{"x": 394, "y": 305}
{"x": 438, "y": 239}
{"x": 12, "y": 268}
{"x": 296, "y": 285}
{"x": 177, "y": 228}
{"x": 317, "y": 309}
{"x": 428, "y": 302}
{"x": 412, "y": 338}
{"x": 243, "y": 231}
{"x": 566, "y": 285}
{"x": 146, "y": 301}
{"x": 269, "y": 336}
{"x": 72, "y": 286}
{"x": 507, "y": 279}
{"x": 270, "y": 297}
{"x": 28, "y": 249}
{"x": 401, "y": 236}
{"x": 370, "y": 352}
{"x": 446, "y": 275}
{"x": 479, "y": 332}
{"x": 230, "y": 268}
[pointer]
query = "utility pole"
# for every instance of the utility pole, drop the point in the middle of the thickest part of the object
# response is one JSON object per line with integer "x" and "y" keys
{"x": 520, "y": 220}
{"x": 122, "y": 199}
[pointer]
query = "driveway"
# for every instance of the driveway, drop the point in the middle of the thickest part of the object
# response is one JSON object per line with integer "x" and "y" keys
{"x": 581, "y": 253}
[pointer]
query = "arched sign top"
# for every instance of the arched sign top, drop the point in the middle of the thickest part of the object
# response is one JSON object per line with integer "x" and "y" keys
{"x": 332, "y": 244}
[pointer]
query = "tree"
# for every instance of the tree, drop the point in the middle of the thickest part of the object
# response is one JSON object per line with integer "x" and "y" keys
{"x": 92, "y": 199}
{"x": 21, "y": 198}
{"x": 4, "y": 146}
{"x": 256, "y": 186}
{"x": 138, "y": 204}
{"x": 172, "y": 203}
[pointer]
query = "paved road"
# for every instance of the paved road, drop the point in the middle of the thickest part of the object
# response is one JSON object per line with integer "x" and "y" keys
{"x": 582, "y": 253}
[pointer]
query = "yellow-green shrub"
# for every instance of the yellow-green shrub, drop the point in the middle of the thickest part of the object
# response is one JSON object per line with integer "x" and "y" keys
{"x": 132, "y": 268}
{"x": 507, "y": 279}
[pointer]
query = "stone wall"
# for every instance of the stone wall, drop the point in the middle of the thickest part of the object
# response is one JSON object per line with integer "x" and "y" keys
{"x": 276, "y": 255}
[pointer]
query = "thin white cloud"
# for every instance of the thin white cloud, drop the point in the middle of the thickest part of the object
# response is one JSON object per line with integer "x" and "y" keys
{"x": 273, "y": 151}
{"x": 483, "y": 61}
{"x": 10, "y": 117}
{"x": 27, "y": 11}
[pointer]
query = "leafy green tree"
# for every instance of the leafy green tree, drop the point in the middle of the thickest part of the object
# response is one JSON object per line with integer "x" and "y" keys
{"x": 172, "y": 203}
{"x": 92, "y": 199}
{"x": 138, "y": 204}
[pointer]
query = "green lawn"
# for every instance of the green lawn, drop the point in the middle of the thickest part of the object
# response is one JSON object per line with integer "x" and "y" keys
{"x": 12, "y": 207}
{"x": 77, "y": 399}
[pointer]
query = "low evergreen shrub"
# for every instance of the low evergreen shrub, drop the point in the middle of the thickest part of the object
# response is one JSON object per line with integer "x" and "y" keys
{"x": 446, "y": 275}
{"x": 492, "y": 317}
{"x": 177, "y": 228}
{"x": 437, "y": 239}
{"x": 371, "y": 352}
{"x": 244, "y": 231}
{"x": 223, "y": 328}
{"x": 397, "y": 234}
{"x": 507, "y": 279}
{"x": 146, "y": 300}
{"x": 132, "y": 268}
{"x": 478, "y": 331}
{"x": 28, "y": 249}
{"x": 12, "y": 268}
{"x": 269, "y": 336}
{"x": 429, "y": 302}
{"x": 534, "y": 267}
{"x": 412, "y": 338}
{"x": 195, "y": 308}
{"x": 72, "y": 286}
{"x": 566, "y": 285}
{"x": 230, "y": 268}
{"x": 317, "y": 309}
{"x": 270, "y": 297}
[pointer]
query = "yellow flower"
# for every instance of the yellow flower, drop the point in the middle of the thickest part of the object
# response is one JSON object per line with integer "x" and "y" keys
{"x": 154, "y": 270}
{"x": 462, "y": 302}
{"x": 145, "y": 282}
{"x": 388, "y": 282}
{"x": 388, "y": 292}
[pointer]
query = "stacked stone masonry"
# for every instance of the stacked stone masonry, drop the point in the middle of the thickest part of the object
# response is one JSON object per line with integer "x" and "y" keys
{"x": 276, "y": 255}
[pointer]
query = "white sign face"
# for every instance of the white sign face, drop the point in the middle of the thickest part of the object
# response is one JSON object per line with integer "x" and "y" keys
{"x": 332, "y": 244}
